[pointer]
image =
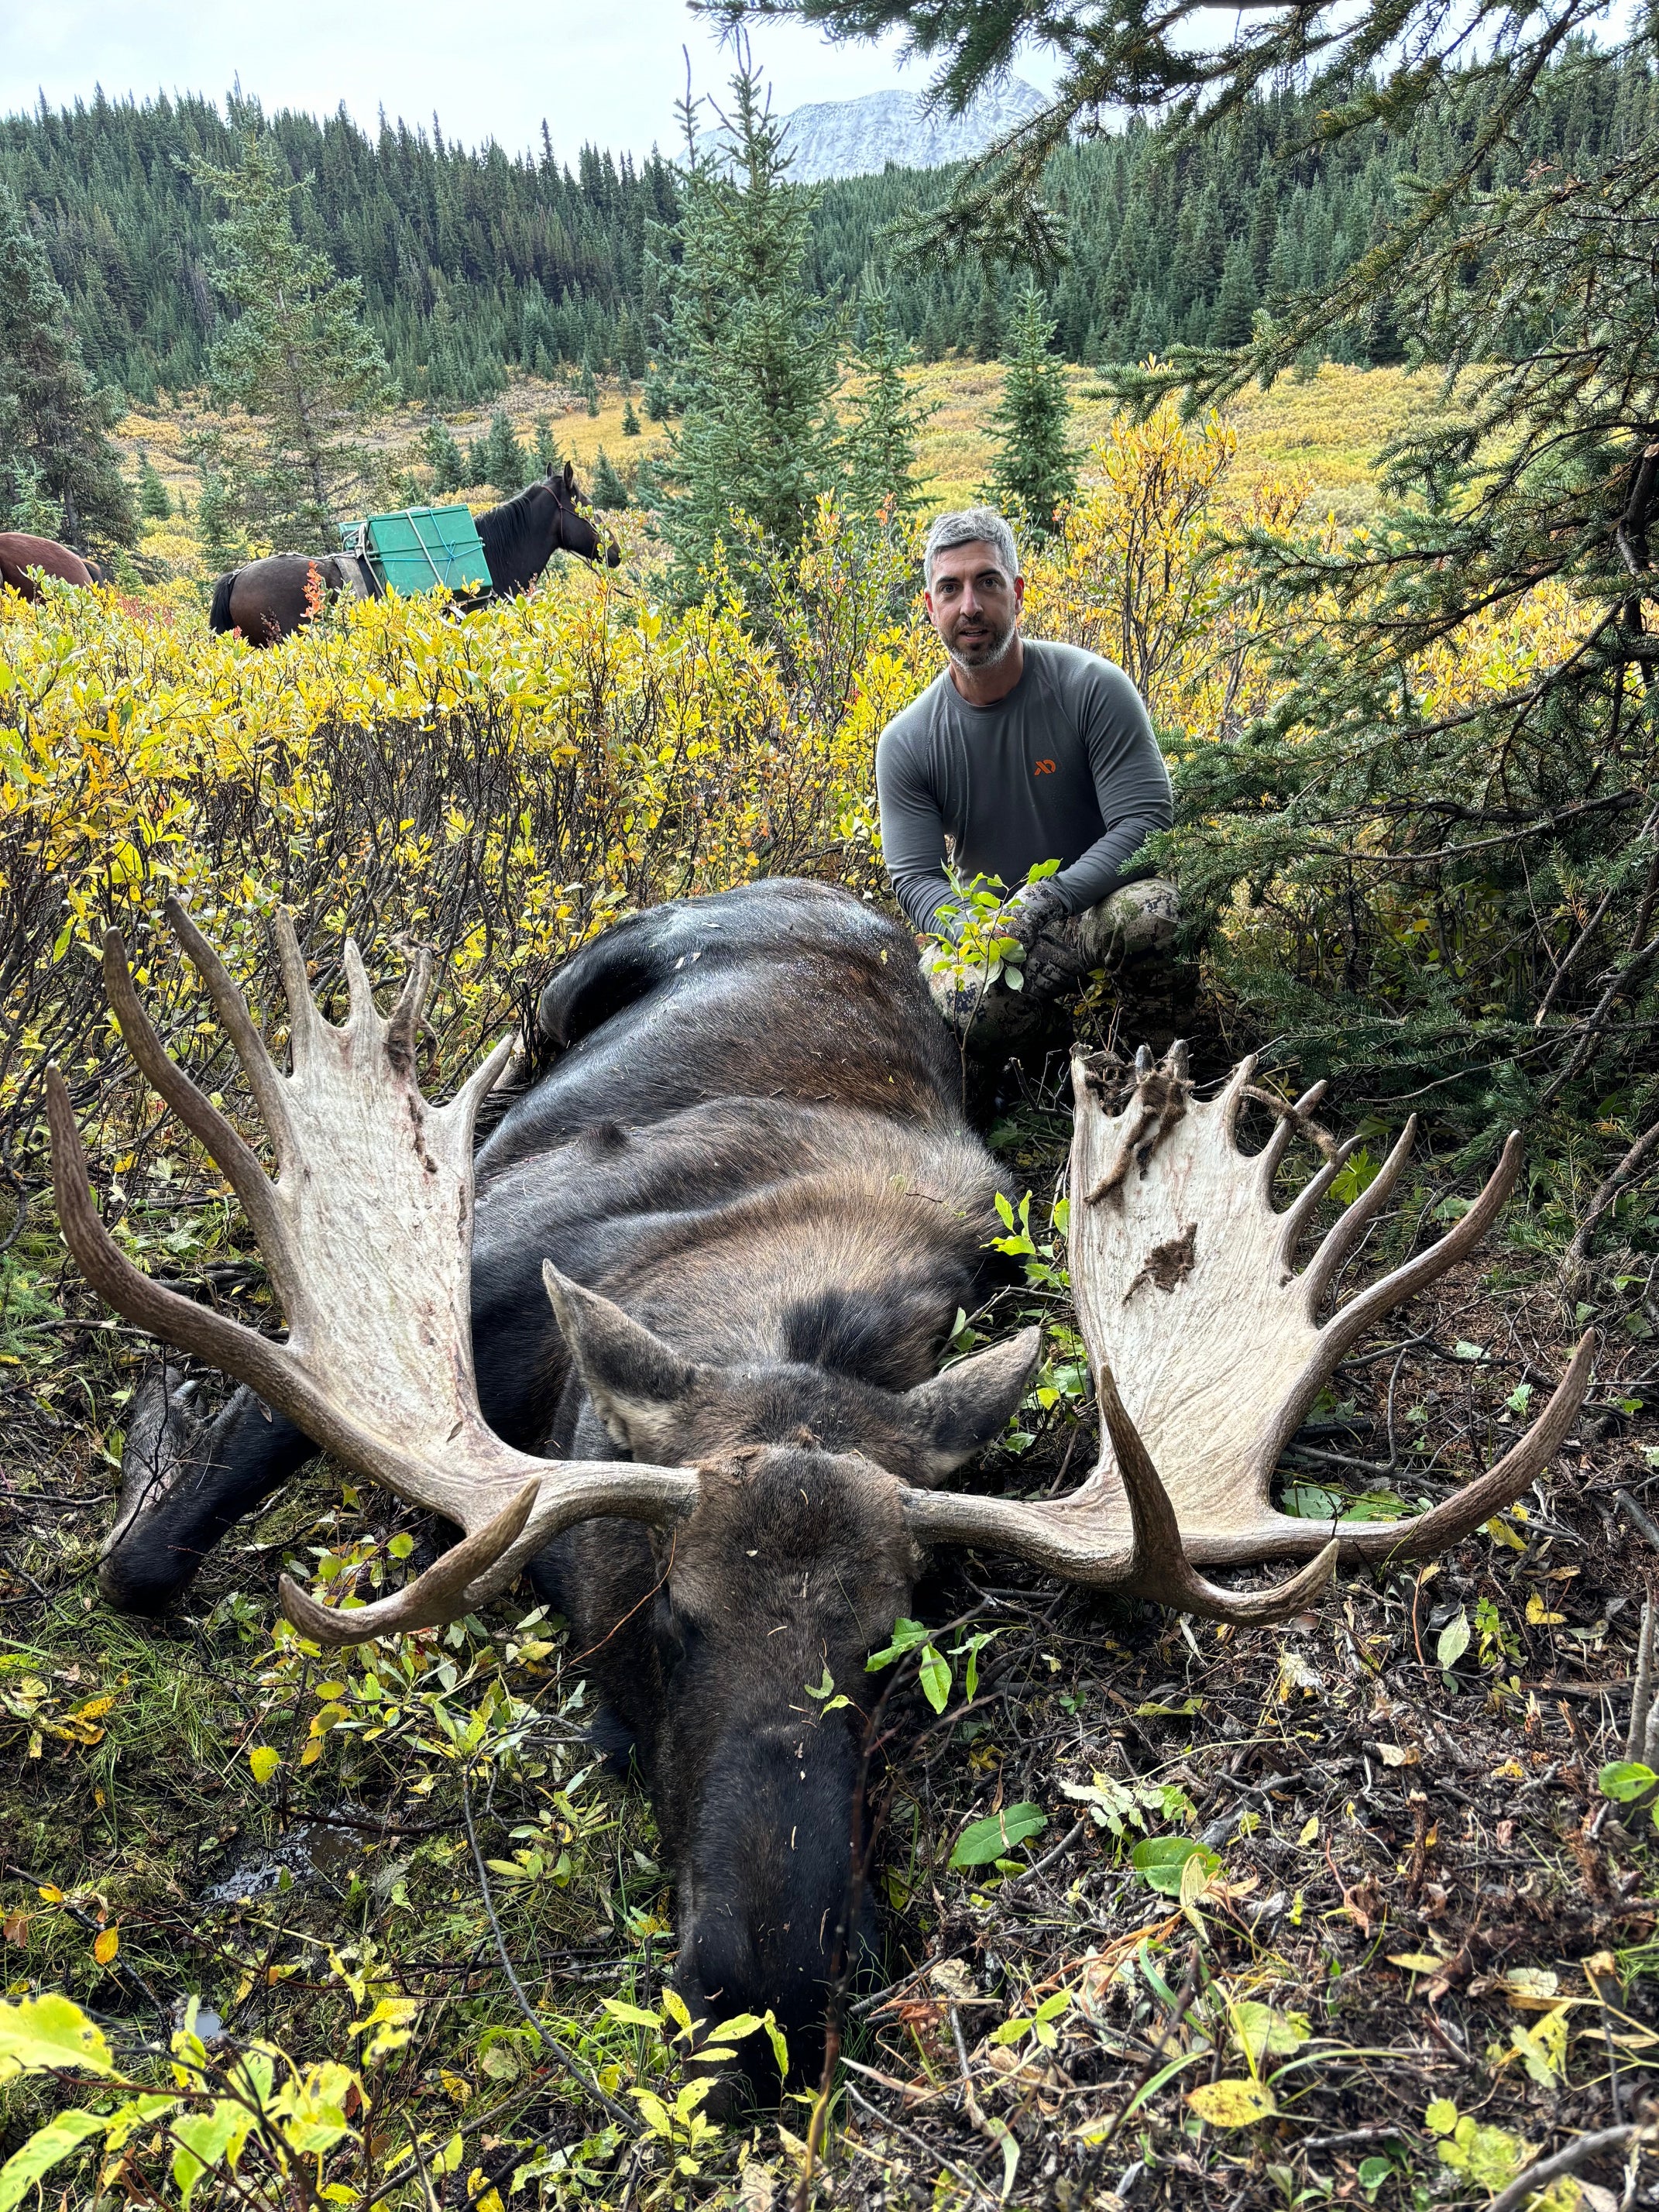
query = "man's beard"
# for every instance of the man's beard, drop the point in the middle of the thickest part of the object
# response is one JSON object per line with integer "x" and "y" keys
{"x": 983, "y": 652}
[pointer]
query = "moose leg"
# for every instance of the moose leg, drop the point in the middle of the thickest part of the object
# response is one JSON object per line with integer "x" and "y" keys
{"x": 183, "y": 1483}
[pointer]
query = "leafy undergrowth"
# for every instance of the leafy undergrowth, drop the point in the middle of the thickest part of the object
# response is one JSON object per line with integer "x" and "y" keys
{"x": 1174, "y": 1914}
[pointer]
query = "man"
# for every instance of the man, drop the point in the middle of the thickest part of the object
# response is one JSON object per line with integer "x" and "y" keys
{"x": 1019, "y": 751}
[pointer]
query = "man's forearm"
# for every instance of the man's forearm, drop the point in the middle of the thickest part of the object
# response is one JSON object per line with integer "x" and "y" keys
{"x": 922, "y": 895}
{"x": 1096, "y": 874}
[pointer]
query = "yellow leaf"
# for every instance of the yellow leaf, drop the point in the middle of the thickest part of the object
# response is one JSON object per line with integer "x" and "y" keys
{"x": 1416, "y": 1962}
{"x": 1538, "y": 1616}
{"x": 1397, "y": 1754}
{"x": 264, "y": 1762}
{"x": 1310, "y": 1832}
{"x": 480, "y": 2195}
{"x": 1233, "y": 2104}
{"x": 105, "y": 1944}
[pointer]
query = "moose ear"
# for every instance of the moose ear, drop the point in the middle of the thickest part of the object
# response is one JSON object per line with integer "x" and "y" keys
{"x": 636, "y": 1381}
{"x": 960, "y": 1412}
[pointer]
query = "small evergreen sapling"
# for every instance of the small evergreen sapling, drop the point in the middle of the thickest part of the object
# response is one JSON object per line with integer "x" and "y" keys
{"x": 1036, "y": 466}
{"x": 154, "y": 504}
{"x": 444, "y": 457}
{"x": 609, "y": 489}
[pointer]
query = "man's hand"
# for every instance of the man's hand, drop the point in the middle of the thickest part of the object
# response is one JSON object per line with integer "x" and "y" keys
{"x": 1028, "y": 914}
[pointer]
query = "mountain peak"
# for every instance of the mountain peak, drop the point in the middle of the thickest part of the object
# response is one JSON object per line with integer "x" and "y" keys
{"x": 852, "y": 137}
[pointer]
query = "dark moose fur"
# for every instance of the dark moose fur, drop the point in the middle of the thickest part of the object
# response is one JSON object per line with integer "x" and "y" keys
{"x": 748, "y": 1160}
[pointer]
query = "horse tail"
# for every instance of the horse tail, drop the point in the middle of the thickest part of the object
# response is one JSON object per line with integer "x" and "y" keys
{"x": 219, "y": 611}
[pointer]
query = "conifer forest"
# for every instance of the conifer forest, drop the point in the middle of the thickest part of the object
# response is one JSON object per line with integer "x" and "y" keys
{"x": 1311, "y": 357}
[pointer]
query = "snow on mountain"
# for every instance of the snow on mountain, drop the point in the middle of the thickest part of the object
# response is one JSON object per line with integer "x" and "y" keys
{"x": 852, "y": 137}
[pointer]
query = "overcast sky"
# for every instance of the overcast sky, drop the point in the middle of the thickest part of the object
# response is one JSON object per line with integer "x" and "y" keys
{"x": 608, "y": 71}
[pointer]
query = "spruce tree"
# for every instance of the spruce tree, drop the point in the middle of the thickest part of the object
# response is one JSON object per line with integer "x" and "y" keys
{"x": 154, "y": 504}
{"x": 630, "y": 420}
{"x": 1235, "y": 305}
{"x": 293, "y": 355}
{"x": 504, "y": 457}
{"x": 609, "y": 489}
{"x": 589, "y": 386}
{"x": 444, "y": 457}
{"x": 1036, "y": 467}
{"x": 547, "y": 456}
{"x": 988, "y": 322}
{"x": 753, "y": 355}
{"x": 57, "y": 463}
{"x": 884, "y": 419}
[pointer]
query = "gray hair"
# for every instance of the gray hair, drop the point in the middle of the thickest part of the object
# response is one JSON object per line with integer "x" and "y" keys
{"x": 966, "y": 526}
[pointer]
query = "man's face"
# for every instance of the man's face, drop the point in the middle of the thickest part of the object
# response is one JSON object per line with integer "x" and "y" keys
{"x": 974, "y": 603}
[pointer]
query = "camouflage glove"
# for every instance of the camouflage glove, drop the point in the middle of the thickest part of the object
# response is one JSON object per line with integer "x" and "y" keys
{"x": 1029, "y": 913}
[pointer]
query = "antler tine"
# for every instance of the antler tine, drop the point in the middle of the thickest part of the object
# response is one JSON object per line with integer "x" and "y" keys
{"x": 148, "y": 1305}
{"x": 1468, "y": 1508}
{"x": 433, "y": 1598}
{"x": 304, "y": 1021}
{"x": 240, "y": 1026}
{"x": 405, "y": 1017}
{"x": 1273, "y": 1151}
{"x": 1227, "y": 1103}
{"x": 1297, "y": 1215}
{"x": 1357, "y": 1217}
{"x": 1344, "y": 1327}
{"x": 198, "y": 1113}
{"x": 1161, "y": 1570}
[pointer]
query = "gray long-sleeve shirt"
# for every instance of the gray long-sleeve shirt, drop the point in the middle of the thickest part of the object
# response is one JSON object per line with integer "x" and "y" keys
{"x": 1066, "y": 768}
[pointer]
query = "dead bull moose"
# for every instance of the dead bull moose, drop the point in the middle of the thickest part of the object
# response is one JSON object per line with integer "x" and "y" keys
{"x": 724, "y": 1460}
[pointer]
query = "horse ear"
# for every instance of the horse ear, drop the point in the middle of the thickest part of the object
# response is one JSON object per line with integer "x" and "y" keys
{"x": 570, "y": 476}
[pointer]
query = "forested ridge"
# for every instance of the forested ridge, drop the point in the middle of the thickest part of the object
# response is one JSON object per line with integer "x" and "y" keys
{"x": 477, "y": 261}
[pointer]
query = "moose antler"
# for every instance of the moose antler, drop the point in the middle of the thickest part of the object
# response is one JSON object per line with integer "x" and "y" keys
{"x": 367, "y": 1231}
{"x": 1207, "y": 1352}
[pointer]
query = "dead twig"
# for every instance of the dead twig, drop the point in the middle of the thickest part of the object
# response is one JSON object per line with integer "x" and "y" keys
{"x": 1545, "y": 2170}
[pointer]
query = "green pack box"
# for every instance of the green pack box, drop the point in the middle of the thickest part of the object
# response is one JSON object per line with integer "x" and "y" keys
{"x": 418, "y": 548}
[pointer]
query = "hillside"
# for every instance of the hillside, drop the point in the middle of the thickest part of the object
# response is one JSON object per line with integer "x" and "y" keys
{"x": 476, "y": 264}
{"x": 1325, "y": 431}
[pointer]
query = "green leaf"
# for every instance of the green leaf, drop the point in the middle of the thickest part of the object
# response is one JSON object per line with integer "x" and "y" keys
{"x": 982, "y": 1842}
{"x": 1441, "y": 2116}
{"x": 1464, "y": 1350}
{"x": 1625, "y": 1778}
{"x": 826, "y": 1687}
{"x": 935, "y": 1678}
{"x": 630, "y": 2015}
{"x": 1160, "y": 1861}
{"x": 1453, "y": 1640}
{"x": 1233, "y": 2104}
{"x": 1264, "y": 2032}
{"x": 907, "y": 1634}
{"x": 203, "y": 2138}
{"x": 44, "y": 2149}
{"x": 38, "y": 2033}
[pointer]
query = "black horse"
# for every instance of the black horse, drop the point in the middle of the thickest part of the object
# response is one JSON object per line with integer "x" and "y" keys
{"x": 266, "y": 600}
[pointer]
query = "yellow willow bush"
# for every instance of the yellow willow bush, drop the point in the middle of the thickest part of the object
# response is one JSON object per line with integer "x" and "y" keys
{"x": 497, "y": 787}
{"x": 1134, "y": 573}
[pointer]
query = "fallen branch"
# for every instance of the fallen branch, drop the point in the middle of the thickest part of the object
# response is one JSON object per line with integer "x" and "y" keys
{"x": 1543, "y": 2170}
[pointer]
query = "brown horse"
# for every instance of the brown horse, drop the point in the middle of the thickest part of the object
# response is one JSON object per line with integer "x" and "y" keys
{"x": 24, "y": 561}
{"x": 266, "y": 599}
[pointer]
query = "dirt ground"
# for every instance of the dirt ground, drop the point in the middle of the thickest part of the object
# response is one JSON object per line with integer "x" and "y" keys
{"x": 1417, "y": 1939}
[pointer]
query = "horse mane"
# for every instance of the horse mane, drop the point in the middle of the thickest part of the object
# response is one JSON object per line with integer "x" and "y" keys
{"x": 510, "y": 535}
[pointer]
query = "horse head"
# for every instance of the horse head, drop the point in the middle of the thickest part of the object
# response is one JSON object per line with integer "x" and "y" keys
{"x": 576, "y": 533}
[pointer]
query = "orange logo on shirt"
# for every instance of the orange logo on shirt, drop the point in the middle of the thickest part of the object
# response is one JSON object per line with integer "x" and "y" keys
{"x": 1046, "y": 767}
